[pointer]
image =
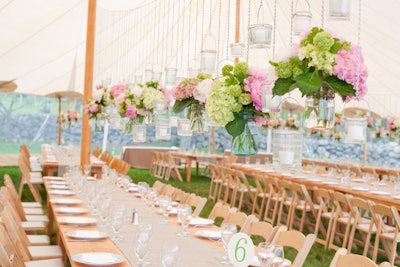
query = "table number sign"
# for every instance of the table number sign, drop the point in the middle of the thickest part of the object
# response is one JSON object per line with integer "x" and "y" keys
{"x": 241, "y": 250}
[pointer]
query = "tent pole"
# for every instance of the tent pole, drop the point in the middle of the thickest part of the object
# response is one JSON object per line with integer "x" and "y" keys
{"x": 59, "y": 122}
{"x": 237, "y": 26}
{"x": 87, "y": 94}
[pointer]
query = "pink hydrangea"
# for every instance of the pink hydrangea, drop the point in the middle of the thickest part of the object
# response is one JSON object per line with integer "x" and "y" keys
{"x": 346, "y": 69}
{"x": 169, "y": 95}
{"x": 116, "y": 90}
{"x": 120, "y": 98}
{"x": 389, "y": 124}
{"x": 261, "y": 121}
{"x": 253, "y": 84}
{"x": 130, "y": 112}
{"x": 73, "y": 115}
{"x": 185, "y": 88}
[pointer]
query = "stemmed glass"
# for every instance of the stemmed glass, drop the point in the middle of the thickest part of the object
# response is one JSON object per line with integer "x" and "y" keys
{"x": 117, "y": 221}
{"x": 266, "y": 254}
{"x": 143, "y": 237}
{"x": 143, "y": 187}
{"x": 184, "y": 216}
{"x": 165, "y": 203}
{"x": 227, "y": 231}
{"x": 279, "y": 257}
{"x": 169, "y": 255}
{"x": 104, "y": 210}
{"x": 152, "y": 196}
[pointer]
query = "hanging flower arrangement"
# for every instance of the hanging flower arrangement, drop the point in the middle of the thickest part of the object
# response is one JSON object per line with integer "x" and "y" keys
{"x": 95, "y": 106}
{"x": 323, "y": 61}
{"x": 68, "y": 118}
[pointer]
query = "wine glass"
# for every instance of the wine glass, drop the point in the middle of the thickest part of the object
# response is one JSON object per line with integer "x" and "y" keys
{"x": 152, "y": 196}
{"x": 104, "y": 210}
{"x": 165, "y": 203}
{"x": 144, "y": 233}
{"x": 279, "y": 256}
{"x": 227, "y": 231}
{"x": 141, "y": 250}
{"x": 184, "y": 216}
{"x": 117, "y": 221}
{"x": 169, "y": 255}
{"x": 86, "y": 169}
{"x": 265, "y": 253}
{"x": 143, "y": 187}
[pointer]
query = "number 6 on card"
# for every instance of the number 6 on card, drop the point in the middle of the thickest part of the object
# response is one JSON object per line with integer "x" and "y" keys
{"x": 241, "y": 250}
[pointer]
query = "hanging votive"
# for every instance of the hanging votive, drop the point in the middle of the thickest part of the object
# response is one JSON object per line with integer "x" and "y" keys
{"x": 184, "y": 128}
{"x": 194, "y": 68}
{"x": 237, "y": 49}
{"x": 170, "y": 76}
{"x": 287, "y": 149}
{"x": 139, "y": 133}
{"x": 156, "y": 76}
{"x": 356, "y": 124}
{"x": 208, "y": 55}
{"x": 148, "y": 73}
{"x": 301, "y": 22}
{"x": 339, "y": 9}
{"x": 160, "y": 106}
{"x": 260, "y": 35}
{"x": 163, "y": 129}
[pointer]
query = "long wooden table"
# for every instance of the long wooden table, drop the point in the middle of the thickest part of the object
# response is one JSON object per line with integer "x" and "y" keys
{"x": 355, "y": 187}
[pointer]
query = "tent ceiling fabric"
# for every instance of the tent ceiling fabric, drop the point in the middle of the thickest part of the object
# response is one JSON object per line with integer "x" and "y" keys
{"x": 43, "y": 44}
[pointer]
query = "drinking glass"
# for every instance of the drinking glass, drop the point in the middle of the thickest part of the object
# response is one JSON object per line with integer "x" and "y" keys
{"x": 104, "y": 210}
{"x": 265, "y": 254}
{"x": 184, "y": 216}
{"x": 152, "y": 196}
{"x": 169, "y": 255}
{"x": 141, "y": 250}
{"x": 279, "y": 257}
{"x": 144, "y": 233}
{"x": 143, "y": 187}
{"x": 86, "y": 169}
{"x": 227, "y": 231}
{"x": 165, "y": 203}
{"x": 117, "y": 220}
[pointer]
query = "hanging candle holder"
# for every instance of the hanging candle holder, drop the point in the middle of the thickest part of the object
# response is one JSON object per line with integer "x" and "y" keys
{"x": 301, "y": 20}
{"x": 356, "y": 123}
{"x": 184, "y": 127}
{"x": 170, "y": 76}
{"x": 270, "y": 103}
{"x": 260, "y": 33}
{"x": 208, "y": 54}
{"x": 194, "y": 68}
{"x": 138, "y": 78}
{"x": 163, "y": 129}
{"x": 139, "y": 133}
{"x": 148, "y": 73}
{"x": 287, "y": 140}
{"x": 339, "y": 9}
{"x": 237, "y": 49}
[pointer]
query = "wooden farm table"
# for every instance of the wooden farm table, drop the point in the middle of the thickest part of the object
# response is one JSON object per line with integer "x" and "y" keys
{"x": 197, "y": 159}
{"x": 383, "y": 193}
{"x": 140, "y": 157}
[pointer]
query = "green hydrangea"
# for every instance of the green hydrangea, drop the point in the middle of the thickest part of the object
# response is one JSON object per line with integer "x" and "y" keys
{"x": 149, "y": 95}
{"x": 226, "y": 70}
{"x": 241, "y": 69}
{"x": 283, "y": 69}
{"x": 234, "y": 90}
{"x": 244, "y": 99}
{"x": 323, "y": 41}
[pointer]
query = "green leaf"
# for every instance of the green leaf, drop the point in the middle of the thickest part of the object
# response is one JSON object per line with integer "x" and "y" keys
{"x": 282, "y": 86}
{"x": 308, "y": 112}
{"x": 309, "y": 82}
{"x": 180, "y": 106}
{"x": 235, "y": 127}
{"x": 339, "y": 86}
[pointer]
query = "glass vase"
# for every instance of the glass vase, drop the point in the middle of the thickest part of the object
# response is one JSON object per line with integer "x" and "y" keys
{"x": 245, "y": 144}
{"x": 320, "y": 109}
{"x": 198, "y": 118}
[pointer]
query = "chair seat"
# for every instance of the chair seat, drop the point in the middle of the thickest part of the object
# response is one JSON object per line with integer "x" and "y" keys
{"x": 39, "y": 240}
{"x": 365, "y": 227}
{"x": 36, "y": 180}
{"x": 390, "y": 235}
{"x": 47, "y": 263}
{"x": 33, "y": 211}
{"x": 45, "y": 252}
{"x": 31, "y": 205}
{"x": 33, "y": 226}
{"x": 37, "y": 218}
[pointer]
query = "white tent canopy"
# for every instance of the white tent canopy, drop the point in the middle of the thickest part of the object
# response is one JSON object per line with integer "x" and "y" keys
{"x": 43, "y": 42}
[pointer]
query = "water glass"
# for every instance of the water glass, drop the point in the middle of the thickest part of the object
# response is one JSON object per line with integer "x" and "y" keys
{"x": 227, "y": 231}
{"x": 141, "y": 250}
{"x": 266, "y": 254}
{"x": 165, "y": 203}
{"x": 104, "y": 210}
{"x": 279, "y": 257}
{"x": 152, "y": 197}
{"x": 169, "y": 255}
{"x": 144, "y": 233}
{"x": 184, "y": 216}
{"x": 117, "y": 220}
{"x": 86, "y": 169}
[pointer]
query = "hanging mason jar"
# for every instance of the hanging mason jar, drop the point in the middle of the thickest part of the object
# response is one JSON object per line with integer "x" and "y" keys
{"x": 260, "y": 35}
{"x": 139, "y": 133}
{"x": 184, "y": 127}
{"x": 237, "y": 49}
{"x": 301, "y": 21}
{"x": 198, "y": 120}
{"x": 208, "y": 55}
{"x": 245, "y": 144}
{"x": 356, "y": 124}
{"x": 160, "y": 106}
{"x": 163, "y": 129}
{"x": 339, "y": 9}
{"x": 149, "y": 118}
{"x": 320, "y": 109}
{"x": 287, "y": 149}
{"x": 170, "y": 76}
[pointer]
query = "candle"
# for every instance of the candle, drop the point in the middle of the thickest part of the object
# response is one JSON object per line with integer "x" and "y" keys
{"x": 286, "y": 157}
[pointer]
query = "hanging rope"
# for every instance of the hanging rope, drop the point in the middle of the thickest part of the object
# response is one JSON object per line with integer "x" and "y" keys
{"x": 227, "y": 28}
{"x": 248, "y": 25}
{"x": 189, "y": 24}
{"x": 274, "y": 40}
{"x": 219, "y": 28}
{"x": 358, "y": 73}
{"x": 322, "y": 13}
{"x": 291, "y": 21}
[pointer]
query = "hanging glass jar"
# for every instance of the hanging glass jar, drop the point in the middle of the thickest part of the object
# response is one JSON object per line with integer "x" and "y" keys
{"x": 287, "y": 149}
{"x": 208, "y": 54}
{"x": 320, "y": 109}
{"x": 355, "y": 123}
{"x": 198, "y": 119}
{"x": 237, "y": 49}
{"x": 184, "y": 128}
{"x": 244, "y": 144}
{"x": 339, "y": 9}
{"x": 139, "y": 133}
{"x": 160, "y": 106}
{"x": 301, "y": 21}
{"x": 163, "y": 129}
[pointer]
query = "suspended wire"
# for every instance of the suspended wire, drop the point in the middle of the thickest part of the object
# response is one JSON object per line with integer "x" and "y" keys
{"x": 219, "y": 29}
{"x": 322, "y": 13}
{"x": 275, "y": 24}
{"x": 248, "y": 25}
{"x": 227, "y": 27}
{"x": 358, "y": 73}
{"x": 163, "y": 58}
{"x": 189, "y": 24}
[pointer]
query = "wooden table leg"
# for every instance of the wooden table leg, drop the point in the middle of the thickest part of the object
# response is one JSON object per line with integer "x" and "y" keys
{"x": 189, "y": 169}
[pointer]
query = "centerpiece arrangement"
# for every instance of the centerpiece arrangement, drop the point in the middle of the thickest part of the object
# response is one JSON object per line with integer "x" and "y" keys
{"x": 68, "y": 118}
{"x": 235, "y": 100}
{"x": 191, "y": 95}
{"x": 322, "y": 66}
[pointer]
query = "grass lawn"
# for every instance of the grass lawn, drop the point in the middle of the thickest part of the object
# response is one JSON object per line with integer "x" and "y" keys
{"x": 318, "y": 257}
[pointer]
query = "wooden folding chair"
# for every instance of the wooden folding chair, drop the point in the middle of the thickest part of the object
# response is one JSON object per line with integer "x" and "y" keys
{"x": 261, "y": 229}
{"x": 172, "y": 168}
{"x": 273, "y": 202}
{"x": 197, "y": 203}
{"x": 342, "y": 259}
{"x": 33, "y": 182}
{"x": 298, "y": 241}
{"x": 14, "y": 194}
{"x": 262, "y": 193}
{"x": 215, "y": 182}
{"x": 342, "y": 222}
{"x": 239, "y": 218}
{"x": 325, "y": 216}
{"x": 220, "y": 210}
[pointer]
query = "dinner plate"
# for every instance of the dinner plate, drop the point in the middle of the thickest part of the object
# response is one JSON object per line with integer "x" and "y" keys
{"x": 396, "y": 197}
{"x": 286, "y": 174}
{"x": 58, "y": 183}
{"x": 70, "y": 210}
{"x": 209, "y": 234}
{"x": 256, "y": 263}
{"x": 77, "y": 220}
{"x": 330, "y": 182}
{"x": 301, "y": 177}
{"x": 360, "y": 188}
{"x": 200, "y": 222}
{"x": 59, "y": 187}
{"x": 61, "y": 192}
{"x": 358, "y": 180}
{"x": 98, "y": 258}
{"x": 86, "y": 234}
{"x": 314, "y": 180}
{"x": 381, "y": 193}
{"x": 65, "y": 201}
{"x": 53, "y": 178}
